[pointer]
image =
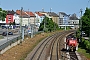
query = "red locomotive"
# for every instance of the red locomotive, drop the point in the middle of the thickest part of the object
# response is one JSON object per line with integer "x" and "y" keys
{"x": 71, "y": 43}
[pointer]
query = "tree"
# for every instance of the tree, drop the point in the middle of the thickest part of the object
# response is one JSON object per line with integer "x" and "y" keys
{"x": 10, "y": 23}
{"x": 49, "y": 25}
{"x": 86, "y": 21}
{"x": 14, "y": 22}
{"x": 3, "y": 14}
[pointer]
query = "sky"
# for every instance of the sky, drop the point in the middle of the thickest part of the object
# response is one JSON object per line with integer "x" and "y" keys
{"x": 67, "y": 6}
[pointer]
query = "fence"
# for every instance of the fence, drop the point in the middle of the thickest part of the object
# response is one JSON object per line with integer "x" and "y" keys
{"x": 13, "y": 42}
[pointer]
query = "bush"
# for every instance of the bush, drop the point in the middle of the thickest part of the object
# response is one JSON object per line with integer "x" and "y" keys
{"x": 86, "y": 44}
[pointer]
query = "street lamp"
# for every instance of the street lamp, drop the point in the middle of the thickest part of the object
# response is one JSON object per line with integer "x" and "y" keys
{"x": 50, "y": 10}
{"x": 44, "y": 20}
{"x": 54, "y": 20}
{"x": 42, "y": 9}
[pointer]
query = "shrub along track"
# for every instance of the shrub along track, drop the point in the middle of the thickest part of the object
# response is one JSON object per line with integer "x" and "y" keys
{"x": 49, "y": 48}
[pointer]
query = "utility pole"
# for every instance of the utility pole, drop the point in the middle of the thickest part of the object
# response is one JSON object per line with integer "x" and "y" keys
{"x": 21, "y": 22}
{"x": 29, "y": 28}
{"x": 44, "y": 26}
{"x": 7, "y": 29}
{"x": 64, "y": 22}
{"x": 28, "y": 19}
{"x": 81, "y": 26}
{"x": 34, "y": 26}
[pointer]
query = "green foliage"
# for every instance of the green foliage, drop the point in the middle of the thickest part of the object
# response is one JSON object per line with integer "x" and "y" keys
{"x": 86, "y": 44}
{"x": 85, "y": 48}
{"x": 12, "y": 23}
{"x": 49, "y": 25}
{"x": 3, "y": 14}
{"x": 1, "y": 37}
{"x": 84, "y": 52}
{"x": 78, "y": 33}
{"x": 86, "y": 21}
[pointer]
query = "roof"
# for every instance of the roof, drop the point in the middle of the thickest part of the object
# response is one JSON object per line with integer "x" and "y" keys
{"x": 25, "y": 13}
{"x": 53, "y": 14}
{"x": 42, "y": 12}
{"x": 10, "y": 12}
{"x": 39, "y": 14}
{"x": 73, "y": 17}
{"x": 63, "y": 13}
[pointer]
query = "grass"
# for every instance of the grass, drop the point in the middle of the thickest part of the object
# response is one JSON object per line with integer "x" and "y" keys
{"x": 1, "y": 37}
{"x": 84, "y": 52}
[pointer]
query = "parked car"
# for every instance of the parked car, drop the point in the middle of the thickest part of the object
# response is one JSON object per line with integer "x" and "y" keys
{"x": 10, "y": 33}
{"x": 10, "y": 27}
{"x": 4, "y": 27}
{"x": 5, "y": 33}
{"x": 84, "y": 34}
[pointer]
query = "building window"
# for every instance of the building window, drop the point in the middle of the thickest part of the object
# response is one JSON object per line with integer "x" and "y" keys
{"x": 9, "y": 17}
{"x": 68, "y": 22}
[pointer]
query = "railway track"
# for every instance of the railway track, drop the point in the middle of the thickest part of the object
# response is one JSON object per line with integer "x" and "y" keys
{"x": 52, "y": 44}
{"x": 55, "y": 48}
{"x": 36, "y": 55}
{"x": 73, "y": 56}
{"x": 38, "y": 52}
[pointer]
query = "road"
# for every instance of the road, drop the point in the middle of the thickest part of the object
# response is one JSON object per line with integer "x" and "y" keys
{"x": 10, "y": 37}
{"x": 2, "y": 41}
